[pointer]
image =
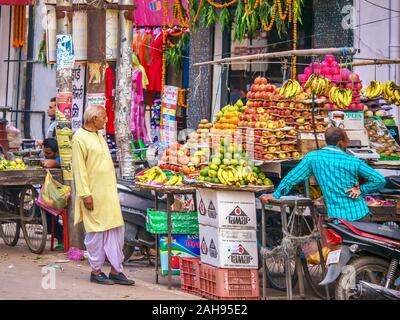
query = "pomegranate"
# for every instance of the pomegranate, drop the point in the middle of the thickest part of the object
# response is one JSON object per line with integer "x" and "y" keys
{"x": 302, "y": 77}
{"x": 334, "y": 64}
{"x": 348, "y": 85}
{"x": 358, "y": 85}
{"x": 324, "y": 64}
{"x": 325, "y": 70}
{"x": 329, "y": 59}
{"x": 333, "y": 70}
{"x": 307, "y": 72}
{"x": 354, "y": 77}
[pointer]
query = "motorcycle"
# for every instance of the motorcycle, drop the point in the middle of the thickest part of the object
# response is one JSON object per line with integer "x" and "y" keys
{"x": 134, "y": 203}
{"x": 365, "y": 262}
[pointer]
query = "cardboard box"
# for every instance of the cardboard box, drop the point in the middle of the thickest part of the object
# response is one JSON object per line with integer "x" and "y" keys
{"x": 182, "y": 245}
{"x": 227, "y": 209}
{"x": 228, "y": 248}
{"x": 306, "y": 142}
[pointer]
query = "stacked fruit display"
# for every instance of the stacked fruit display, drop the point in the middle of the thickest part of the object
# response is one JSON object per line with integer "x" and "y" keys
{"x": 262, "y": 90}
{"x": 270, "y": 145}
{"x": 16, "y": 164}
{"x": 381, "y": 140}
{"x": 229, "y": 166}
{"x": 178, "y": 159}
{"x": 228, "y": 118}
{"x": 347, "y": 84}
{"x": 156, "y": 176}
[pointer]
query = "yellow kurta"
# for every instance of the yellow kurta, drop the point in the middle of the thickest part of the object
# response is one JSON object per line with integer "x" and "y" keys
{"x": 94, "y": 175}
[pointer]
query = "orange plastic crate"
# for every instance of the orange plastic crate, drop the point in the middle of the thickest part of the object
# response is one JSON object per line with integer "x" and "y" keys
{"x": 190, "y": 274}
{"x": 229, "y": 284}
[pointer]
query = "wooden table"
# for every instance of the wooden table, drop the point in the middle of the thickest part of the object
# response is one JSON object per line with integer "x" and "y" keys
{"x": 170, "y": 191}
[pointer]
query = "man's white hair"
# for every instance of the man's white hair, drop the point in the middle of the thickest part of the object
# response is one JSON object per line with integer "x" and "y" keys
{"x": 92, "y": 111}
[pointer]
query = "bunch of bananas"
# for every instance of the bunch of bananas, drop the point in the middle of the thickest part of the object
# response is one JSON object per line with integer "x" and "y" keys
{"x": 341, "y": 97}
{"x": 315, "y": 192}
{"x": 391, "y": 92}
{"x": 375, "y": 89}
{"x": 228, "y": 176}
{"x": 153, "y": 176}
{"x": 175, "y": 180}
{"x": 290, "y": 88}
{"x": 318, "y": 85}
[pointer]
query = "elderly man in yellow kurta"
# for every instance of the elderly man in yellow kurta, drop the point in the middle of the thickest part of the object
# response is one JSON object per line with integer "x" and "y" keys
{"x": 97, "y": 203}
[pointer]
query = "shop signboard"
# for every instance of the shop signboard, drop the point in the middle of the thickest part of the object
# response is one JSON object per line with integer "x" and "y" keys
{"x": 78, "y": 92}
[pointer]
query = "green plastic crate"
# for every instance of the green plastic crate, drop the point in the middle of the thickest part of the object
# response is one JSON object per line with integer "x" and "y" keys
{"x": 182, "y": 222}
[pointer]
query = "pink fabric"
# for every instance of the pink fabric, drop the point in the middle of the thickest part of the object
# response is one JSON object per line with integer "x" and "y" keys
{"x": 107, "y": 243}
{"x": 138, "y": 117}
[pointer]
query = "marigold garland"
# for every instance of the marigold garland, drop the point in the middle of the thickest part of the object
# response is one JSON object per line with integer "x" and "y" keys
{"x": 294, "y": 60}
{"x": 221, "y": 5}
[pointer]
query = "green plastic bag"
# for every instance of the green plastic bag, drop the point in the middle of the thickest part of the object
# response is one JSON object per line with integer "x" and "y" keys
{"x": 54, "y": 194}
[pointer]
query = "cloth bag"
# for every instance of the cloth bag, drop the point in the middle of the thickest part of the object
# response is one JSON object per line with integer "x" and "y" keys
{"x": 54, "y": 194}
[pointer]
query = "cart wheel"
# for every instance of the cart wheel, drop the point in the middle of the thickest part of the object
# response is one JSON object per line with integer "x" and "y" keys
{"x": 9, "y": 231}
{"x": 33, "y": 220}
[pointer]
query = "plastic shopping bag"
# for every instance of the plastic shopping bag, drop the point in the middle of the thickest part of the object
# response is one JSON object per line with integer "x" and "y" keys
{"x": 54, "y": 194}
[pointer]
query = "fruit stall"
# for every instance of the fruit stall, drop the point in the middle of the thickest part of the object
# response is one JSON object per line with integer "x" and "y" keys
{"x": 225, "y": 162}
{"x": 18, "y": 208}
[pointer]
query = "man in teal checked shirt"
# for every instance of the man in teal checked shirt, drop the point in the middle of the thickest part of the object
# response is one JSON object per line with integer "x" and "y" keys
{"x": 337, "y": 174}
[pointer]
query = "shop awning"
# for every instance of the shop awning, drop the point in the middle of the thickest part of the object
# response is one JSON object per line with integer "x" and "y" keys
{"x": 15, "y": 2}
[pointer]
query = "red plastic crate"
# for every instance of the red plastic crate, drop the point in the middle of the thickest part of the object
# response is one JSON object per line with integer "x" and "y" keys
{"x": 229, "y": 284}
{"x": 190, "y": 274}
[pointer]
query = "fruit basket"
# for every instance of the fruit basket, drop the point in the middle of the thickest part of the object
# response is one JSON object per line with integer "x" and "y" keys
{"x": 190, "y": 274}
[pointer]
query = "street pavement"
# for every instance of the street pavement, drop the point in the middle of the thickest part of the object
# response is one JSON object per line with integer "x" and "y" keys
{"x": 25, "y": 275}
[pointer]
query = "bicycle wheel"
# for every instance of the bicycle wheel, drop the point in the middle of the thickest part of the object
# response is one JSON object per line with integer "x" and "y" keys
{"x": 33, "y": 220}
{"x": 9, "y": 231}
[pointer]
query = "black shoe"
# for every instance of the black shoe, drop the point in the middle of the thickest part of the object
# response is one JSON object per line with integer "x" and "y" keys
{"x": 120, "y": 278}
{"x": 101, "y": 278}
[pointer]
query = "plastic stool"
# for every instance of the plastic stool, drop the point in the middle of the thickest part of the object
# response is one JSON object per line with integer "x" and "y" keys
{"x": 64, "y": 217}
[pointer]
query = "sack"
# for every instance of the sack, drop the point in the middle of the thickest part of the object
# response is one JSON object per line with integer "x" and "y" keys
{"x": 54, "y": 194}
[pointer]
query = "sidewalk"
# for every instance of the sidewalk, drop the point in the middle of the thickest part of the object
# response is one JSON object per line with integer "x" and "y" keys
{"x": 21, "y": 278}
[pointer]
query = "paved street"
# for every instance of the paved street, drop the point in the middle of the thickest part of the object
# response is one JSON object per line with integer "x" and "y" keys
{"x": 21, "y": 278}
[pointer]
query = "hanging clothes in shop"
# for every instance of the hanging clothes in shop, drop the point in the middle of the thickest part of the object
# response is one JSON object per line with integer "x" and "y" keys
{"x": 138, "y": 118}
{"x": 156, "y": 57}
{"x": 109, "y": 84}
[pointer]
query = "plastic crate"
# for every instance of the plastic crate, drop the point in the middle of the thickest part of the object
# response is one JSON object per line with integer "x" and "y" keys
{"x": 229, "y": 284}
{"x": 190, "y": 274}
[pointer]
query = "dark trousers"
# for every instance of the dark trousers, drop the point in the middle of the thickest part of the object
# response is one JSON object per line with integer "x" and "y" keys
{"x": 58, "y": 228}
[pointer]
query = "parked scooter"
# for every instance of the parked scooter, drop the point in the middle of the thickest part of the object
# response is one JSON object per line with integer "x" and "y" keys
{"x": 365, "y": 264}
{"x": 134, "y": 204}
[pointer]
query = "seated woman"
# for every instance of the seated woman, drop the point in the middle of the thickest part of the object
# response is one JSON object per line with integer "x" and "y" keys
{"x": 51, "y": 153}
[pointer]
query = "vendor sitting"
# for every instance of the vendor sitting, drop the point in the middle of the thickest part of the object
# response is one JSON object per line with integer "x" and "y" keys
{"x": 51, "y": 153}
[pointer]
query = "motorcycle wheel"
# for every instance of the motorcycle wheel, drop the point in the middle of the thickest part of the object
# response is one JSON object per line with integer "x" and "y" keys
{"x": 367, "y": 268}
{"x": 127, "y": 251}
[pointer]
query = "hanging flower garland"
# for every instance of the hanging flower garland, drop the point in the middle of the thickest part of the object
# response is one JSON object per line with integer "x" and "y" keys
{"x": 294, "y": 60}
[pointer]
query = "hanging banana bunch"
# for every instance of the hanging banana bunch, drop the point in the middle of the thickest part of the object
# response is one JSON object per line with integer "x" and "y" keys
{"x": 318, "y": 85}
{"x": 391, "y": 92}
{"x": 290, "y": 88}
{"x": 374, "y": 90}
{"x": 341, "y": 97}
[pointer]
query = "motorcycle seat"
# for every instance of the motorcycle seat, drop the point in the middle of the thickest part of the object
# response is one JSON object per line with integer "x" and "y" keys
{"x": 378, "y": 229}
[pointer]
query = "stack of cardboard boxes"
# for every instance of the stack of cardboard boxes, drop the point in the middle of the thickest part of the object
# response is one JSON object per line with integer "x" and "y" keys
{"x": 228, "y": 240}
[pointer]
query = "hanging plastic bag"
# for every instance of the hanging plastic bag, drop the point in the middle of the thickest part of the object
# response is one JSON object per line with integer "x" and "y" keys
{"x": 54, "y": 194}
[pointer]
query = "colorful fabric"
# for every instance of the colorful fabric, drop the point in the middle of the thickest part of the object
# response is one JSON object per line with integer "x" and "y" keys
{"x": 104, "y": 244}
{"x": 136, "y": 63}
{"x": 112, "y": 145}
{"x": 336, "y": 172}
{"x": 94, "y": 175}
{"x": 109, "y": 84}
{"x": 156, "y": 55}
{"x": 138, "y": 117}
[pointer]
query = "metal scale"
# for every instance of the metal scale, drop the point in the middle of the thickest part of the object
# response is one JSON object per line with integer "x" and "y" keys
{"x": 353, "y": 123}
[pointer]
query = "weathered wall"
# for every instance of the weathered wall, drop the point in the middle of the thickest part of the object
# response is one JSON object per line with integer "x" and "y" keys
{"x": 332, "y": 21}
{"x": 200, "y": 78}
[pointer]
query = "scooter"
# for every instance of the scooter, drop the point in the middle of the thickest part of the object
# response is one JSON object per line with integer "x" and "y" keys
{"x": 134, "y": 203}
{"x": 365, "y": 262}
